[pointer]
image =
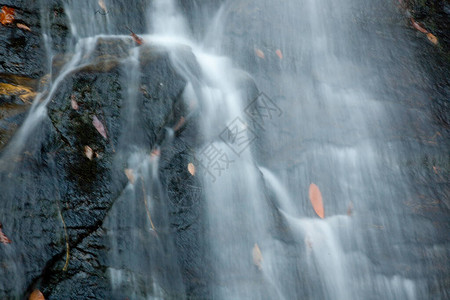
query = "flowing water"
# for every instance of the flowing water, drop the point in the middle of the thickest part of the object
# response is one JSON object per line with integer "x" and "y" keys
{"x": 328, "y": 114}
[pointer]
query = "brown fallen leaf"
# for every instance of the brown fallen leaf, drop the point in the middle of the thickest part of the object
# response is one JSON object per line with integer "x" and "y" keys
{"x": 137, "y": 39}
{"x": 418, "y": 27}
{"x": 74, "y": 103}
{"x": 257, "y": 256}
{"x": 315, "y": 196}
{"x": 259, "y": 53}
{"x": 23, "y": 27}
{"x": 179, "y": 124}
{"x": 36, "y": 295}
{"x": 102, "y": 5}
{"x": 3, "y": 238}
{"x": 99, "y": 126}
{"x": 7, "y": 15}
{"x": 191, "y": 169}
{"x": 88, "y": 152}
{"x": 278, "y": 52}
{"x": 130, "y": 175}
{"x": 432, "y": 38}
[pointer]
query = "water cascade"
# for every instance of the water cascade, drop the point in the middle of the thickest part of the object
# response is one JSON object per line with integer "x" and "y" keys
{"x": 176, "y": 163}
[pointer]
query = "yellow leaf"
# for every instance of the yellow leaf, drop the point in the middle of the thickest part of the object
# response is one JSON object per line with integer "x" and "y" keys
{"x": 432, "y": 38}
{"x": 26, "y": 94}
{"x": 36, "y": 295}
{"x": 191, "y": 169}
{"x": 130, "y": 175}
{"x": 257, "y": 256}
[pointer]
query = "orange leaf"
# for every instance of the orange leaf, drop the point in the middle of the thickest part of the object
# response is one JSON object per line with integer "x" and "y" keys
{"x": 432, "y": 38}
{"x": 23, "y": 26}
{"x": 315, "y": 196}
{"x": 36, "y": 295}
{"x": 99, "y": 126}
{"x": 257, "y": 256}
{"x": 418, "y": 27}
{"x": 191, "y": 169}
{"x": 3, "y": 238}
{"x": 259, "y": 53}
{"x": 278, "y": 52}
{"x": 7, "y": 15}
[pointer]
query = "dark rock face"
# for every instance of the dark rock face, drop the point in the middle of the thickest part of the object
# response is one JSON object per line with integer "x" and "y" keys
{"x": 56, "y": 200}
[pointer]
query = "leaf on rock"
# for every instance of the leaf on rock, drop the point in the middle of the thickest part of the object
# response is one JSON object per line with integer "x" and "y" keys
{"x": 179, "y": 124}
{"x": 259, "y": 53}
{"x": 26, "y": 94}
{"x": 74, "y": 103}
{"x": 278, "y": 52}
{"x": 102, "y": 5}
{"x": 88, "y": 152}
{"x": 99, "y": 126}
{"x": 3, "y": 238}
{"x": 23, "y": 27}
{"x": 257, "y": 256}
{"x": 315, "y": 196}
{"x": 432, "y": 38}
{"x": 418, "y": 27}
{"x": 137, "y": 39}
{"x": 155, "y": 153}
{"x": 7, "y": 15}
{"x": 191, "y": 169}
{"x": 130, "y": 175}
{"x": 36, "y": 295}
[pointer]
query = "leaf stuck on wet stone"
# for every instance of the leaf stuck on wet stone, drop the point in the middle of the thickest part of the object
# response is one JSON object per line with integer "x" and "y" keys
{"x": 36, "y": 295}
{"x": 130, "y": 175}
{"x": 315, "y": 196}
{"x": 74, "y": 103}
{"x": 278, "y": 52}
{"x": 23, "y": 27}
{"x": 257, "y": 256}
{"x": 88, "y": 152}
{"x": 432, "y": 38}
{"x": 191, "y": 169}
{"x": 102, "y": 5}
{"x": 3, "y": 238}
{"x": 99, "y": 126}
{"x": 259, "y": 53}
{"x": 7, "y": 15}
{"x": 418, "y": 27}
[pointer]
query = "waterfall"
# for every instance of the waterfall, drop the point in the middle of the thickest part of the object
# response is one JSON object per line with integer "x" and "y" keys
{"x": 209, "y": 158}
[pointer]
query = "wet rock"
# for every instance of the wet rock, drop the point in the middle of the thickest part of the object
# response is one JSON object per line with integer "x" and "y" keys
{"x": 74, "y": 194}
